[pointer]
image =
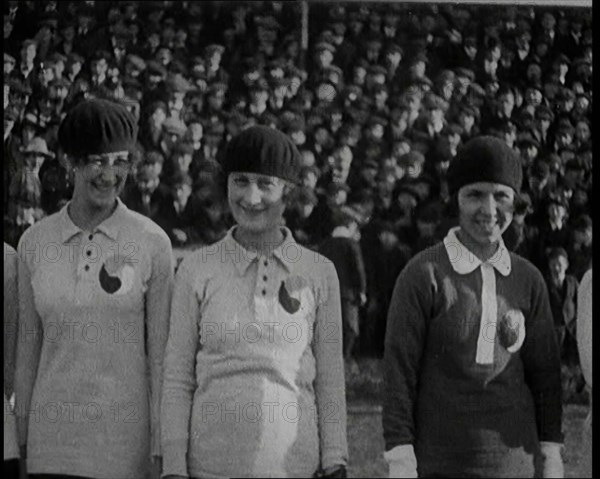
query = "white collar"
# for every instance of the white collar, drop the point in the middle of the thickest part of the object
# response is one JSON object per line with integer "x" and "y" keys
{"x": 464, "y": 261}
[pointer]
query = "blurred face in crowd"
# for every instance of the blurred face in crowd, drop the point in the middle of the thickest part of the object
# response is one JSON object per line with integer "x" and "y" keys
{"x": 583, "y": 236}
{"x": 309, "y": 179}
{"x": 558, "y": 266}
{"x": 359, "y": 75}
{"x": 148, "y": 182}
{"x": 388, "y": 239}
{"x": 99, "y": 179}
{"x": 418, "y": 68}
{"x": 195, "y": 131}
{"x": 184, "y": 161}
{"x": 582, "y": 131}
{"x": 158, "y": 117}
{"x": 28, "y": 54}
{"x": 182, "y": 193}
{"x": 164, "y": 56}
{"x": 308, "y": 158}
{"x": 216, "y": 100}
{"x": 485, "y": 211}
{"x": 557, "y": 213}
{"x": 507, "y": 103}
{"x": 256, "y": 201}
{"x": 99, "y": 67}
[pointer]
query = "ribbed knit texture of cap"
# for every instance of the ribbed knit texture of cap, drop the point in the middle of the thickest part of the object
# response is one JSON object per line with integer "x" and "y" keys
{"x": 485, "y": 159}
{"x": 96, "y": 127}
{"x": 263, "y": 150}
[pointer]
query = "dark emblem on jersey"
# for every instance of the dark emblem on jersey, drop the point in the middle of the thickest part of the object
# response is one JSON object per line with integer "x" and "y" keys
{"x": 110, "y": 284}
{"x": 511, "y": 330}
{"x": 290, "y": 304}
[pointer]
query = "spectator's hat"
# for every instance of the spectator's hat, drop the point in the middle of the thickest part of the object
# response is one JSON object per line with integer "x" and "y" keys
{"x": 377, "y": 70}
{"x": 322, "y": 46}
{"x": 565, "y": 94}
{"x": 178, "y": 179}
{"x": 176, "y": 83}
{"x": 540, "y": 169}
{"x": 263, "y": 150}
{"x": 373, "y": 44}
{"x": 561, "y": 59}
{"x": 60, "y": 83}
{"x": 467, "y": 109}
{"x": 154, "y": 157}
{"x": 9, "y": 59}
{"x": 556, "y": 198}
{"x": 352, "y": 92}
{"x": 154, "y": 68}
{"x": 339, "y": 27}
{"x": 525, "y": 139}
{"x": 435, "y": 102}
{"x": 268, "y": 22}
{"x": 100, "y": 55}
{"x": 213, "y": 48}
{"x": 582, "y": 222}
{"x": 452, "y": 129}
{"x": 394, "y": 48}
{"x": 29, "y": 42}
{"x": 462, "y": 72}
{"x": 182, "y": 148}
{"x": 419, "y": 57}
{"x": 565, "y": 126}
{"x": 542, "y": 112}
{"x": 58, "y": 57}
{"x": 37, "y": 146}
{"x": 344, "y": 216}
{"x": 174, "y": 126}
{"x": 75, "y": 58}
{"x": 97, "y": 126}
{"x": 412, "y": 158}
{"x": 260, "y": 85}
{"x": 485, "y": 158}
{"x": 423, "y": 82}
{"x": 136, "y": 61}
{"x": 377, "y": 120}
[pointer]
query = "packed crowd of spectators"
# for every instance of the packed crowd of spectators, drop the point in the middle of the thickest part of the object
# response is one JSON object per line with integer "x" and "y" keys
{"x": 378, "y": 105}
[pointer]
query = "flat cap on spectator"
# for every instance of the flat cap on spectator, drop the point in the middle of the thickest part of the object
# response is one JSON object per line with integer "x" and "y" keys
{"x": 394, "y": 48}
{"x": 464, "y": 73}
{"x": 419, "y": 57}
{"x": 582, "y": 222}
{"x": 217, "y": 88}
{"x": 38, "y": 146}
{"x": 377, "y": 70}
{"x": 435, "y": 102}
{"x": 136, "y": 61}
{"x": 174, "y": 126}
{"x": 264, "y": 150}
{"x": 561, "y": 58}
{"x": 214, "y": 48}
{"x": 485, "y": 158}
{"x": 543, "y": 112}
{"x": 75, "y": 58}
{"x": 155, "y": 68}
{"x": 411, "y": 158}
{"x": 322, "y": 46}
{"x": 9, "y": 58}
{"x": 540, "y": 169}
{"x": 177, "y": 84}
{"x": 526, "y": 139}
{"x": 97, "y": 126}
{"x": 11, "y": 114}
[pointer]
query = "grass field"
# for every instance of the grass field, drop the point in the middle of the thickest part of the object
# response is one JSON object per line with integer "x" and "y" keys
{"x": 365, "y": 438}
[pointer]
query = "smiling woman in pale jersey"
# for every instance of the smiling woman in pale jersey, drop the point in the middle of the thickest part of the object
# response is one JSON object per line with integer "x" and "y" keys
{"x": 471, "y": 363}
{"x": 254, "y": 376}
{"x": 95, "y": 283}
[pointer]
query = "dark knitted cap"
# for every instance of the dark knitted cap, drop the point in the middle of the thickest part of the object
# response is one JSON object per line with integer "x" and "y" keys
{"x": 96, "y": 127}
{"x": 264, "y": 150}
{"x": 485, "y": 158}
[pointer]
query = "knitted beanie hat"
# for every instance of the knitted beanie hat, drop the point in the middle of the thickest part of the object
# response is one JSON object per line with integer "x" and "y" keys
{"x": 264, "y": 150}
{"x": 485, "y": 158}
{"x": 97, "y": 126}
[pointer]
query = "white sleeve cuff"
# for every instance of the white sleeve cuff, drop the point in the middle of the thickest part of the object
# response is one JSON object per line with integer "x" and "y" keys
{"x": 402, "y": 461}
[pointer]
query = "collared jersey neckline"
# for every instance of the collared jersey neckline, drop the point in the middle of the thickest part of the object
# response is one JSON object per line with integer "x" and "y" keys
{"x": 109, "y": 227}
{"x": 464, "y": 263}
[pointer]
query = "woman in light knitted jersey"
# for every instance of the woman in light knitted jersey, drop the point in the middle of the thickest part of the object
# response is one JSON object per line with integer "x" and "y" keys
{"x": 254, "y": 376}
{"x": 95, "y": 283}
{"x": 471, "y": 363}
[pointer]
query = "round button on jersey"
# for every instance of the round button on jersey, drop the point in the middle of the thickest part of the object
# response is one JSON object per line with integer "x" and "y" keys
{"x": 266, "y": 263}
{"x": 264, "y": 292}
{"x": 91, "y": 237}
{"x": 264, "y": 278}
{"x": 88, "y": 252}
{"x": 87, "y": 267}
